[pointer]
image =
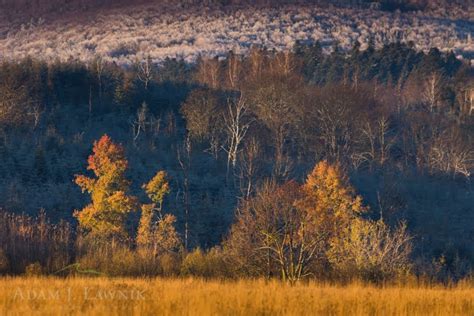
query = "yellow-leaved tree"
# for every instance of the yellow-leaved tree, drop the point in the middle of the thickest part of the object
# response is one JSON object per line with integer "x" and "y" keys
{"x": 156, "y": 232}
{"x": 105, "y": 216}
{"x": 371, "y": 250}
{"x": 329, "y": 195}
{"x": 286, "y": 229}
{"x": 355, "y": 246}
{"x": 300, "y": 230}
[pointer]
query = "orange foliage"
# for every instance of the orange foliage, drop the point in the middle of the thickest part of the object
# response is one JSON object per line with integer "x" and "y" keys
{"x": 329, "y": 195}
{"x": 105, "y": 216}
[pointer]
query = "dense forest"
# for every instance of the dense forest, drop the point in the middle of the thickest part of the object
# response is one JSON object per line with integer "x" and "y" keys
{"x": 379, "y": 141}
{"x": 38, "y": 7}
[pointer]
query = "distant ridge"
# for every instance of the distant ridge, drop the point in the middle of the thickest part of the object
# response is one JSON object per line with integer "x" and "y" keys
{"x": 35, "y": 8}
{"x": 126, "y": 32}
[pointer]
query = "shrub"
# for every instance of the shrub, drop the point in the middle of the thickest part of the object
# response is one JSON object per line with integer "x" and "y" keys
{"x": 169, "y": 264}
{"x": 34, "y": 269}
{"x": 119, "y": 261}
{"x": 204, "y": 264}
{"x": 371, "y": 250}
{"x": 26, "y": 239}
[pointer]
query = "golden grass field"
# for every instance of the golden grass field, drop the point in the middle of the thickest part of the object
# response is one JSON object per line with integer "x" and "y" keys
{"x": 121, "y": 296}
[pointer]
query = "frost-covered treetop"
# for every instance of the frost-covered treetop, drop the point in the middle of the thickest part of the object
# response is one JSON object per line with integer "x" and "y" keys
{"x": 160, "y": 31}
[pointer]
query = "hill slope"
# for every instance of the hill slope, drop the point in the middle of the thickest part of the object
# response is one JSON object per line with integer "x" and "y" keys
{"x": 125, "y": 34}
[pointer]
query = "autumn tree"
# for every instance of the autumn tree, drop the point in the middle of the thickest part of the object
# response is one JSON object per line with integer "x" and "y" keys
{"x": 105, "y": 216}
{"x": 286, "y": 228}
{"x": 328, "y": 194}
{"x": 273, "y": 236}
{"x": 156, "y": 232}
{"x": 371, "y": 250}
{"x": 354, "y": 245}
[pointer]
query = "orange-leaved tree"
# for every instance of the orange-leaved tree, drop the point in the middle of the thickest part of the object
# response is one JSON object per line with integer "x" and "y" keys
{"x": 156, "y": 232}
{"x": 106, "y": 215}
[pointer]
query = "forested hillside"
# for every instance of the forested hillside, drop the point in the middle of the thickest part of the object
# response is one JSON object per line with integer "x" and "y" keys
{"x": 46, "y": 6}
{"x": 391, "y": 130}
{"x": 125, "y": 33}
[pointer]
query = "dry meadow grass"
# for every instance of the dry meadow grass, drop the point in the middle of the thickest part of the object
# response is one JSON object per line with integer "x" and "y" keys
{"x": 102, "y": 296}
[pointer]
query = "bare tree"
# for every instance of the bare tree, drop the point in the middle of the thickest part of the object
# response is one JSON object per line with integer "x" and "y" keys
{"x": 249, "y": 166}
{"x": 184, "y": 160}
{"x": 432, "y": 90}
{"x": 470, "y": 98}
{"x": 376, "y": 143}
{"x": 335, "y": 116}
{"x": 35, "y": 111}
{"x": 200, "y": 111}
{"x": 234, "y": 69}
{"x": 465, "y": 97}
{"x": 16, "y": 107}
{"x": 284, "y": 63}
{"x": 274, "y": 107}
{"x": 139, "y": 122}
{"x": 237, "y": 123}
{"x": 145, "y": 71}
{"x": 8, "y": 104}
{"x": 273, "y": 235}
{"x": 203, "y": 117}
{"x": 209, "y": 72}
{"x": 99, "y": 66}
{"x": 256, "y": 60}
{"x": 451, "y": 155}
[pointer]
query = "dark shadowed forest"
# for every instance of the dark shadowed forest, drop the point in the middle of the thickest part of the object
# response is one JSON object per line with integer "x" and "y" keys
{"x": 236, "y": 155}
{"x": 38, "y": 7}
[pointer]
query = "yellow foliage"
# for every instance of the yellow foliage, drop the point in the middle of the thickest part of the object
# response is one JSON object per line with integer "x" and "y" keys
{"x": 205, "y": 264}
{"x": 144, "y": 235}
{"x": 158, "y": 187}
{"x": 105, "y": 216}
{"x": 371, "y": 250}
{"x": 330, "y": 197}
{"x": 327, "y": 187}
{"x": 156, "y": 233}
{"x": 292, "y": 226}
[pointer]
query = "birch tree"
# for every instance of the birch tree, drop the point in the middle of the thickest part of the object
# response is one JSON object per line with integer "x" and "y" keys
{"x": 237, "y": 123}
{"x": 145, "y": 71}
